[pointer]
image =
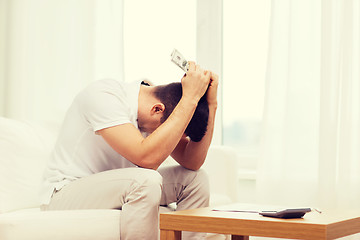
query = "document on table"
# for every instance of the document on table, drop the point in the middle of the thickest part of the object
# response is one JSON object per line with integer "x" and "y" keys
{"x": 251, "y": 208}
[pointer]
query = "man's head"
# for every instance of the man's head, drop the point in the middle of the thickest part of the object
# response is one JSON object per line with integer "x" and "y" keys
{"x": 156, "y": 103}
{"x": 170, "y": 95}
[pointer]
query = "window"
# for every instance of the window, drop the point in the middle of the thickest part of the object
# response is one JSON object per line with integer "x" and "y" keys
{"x": 152, "y": 29}
{"x": 245, "y": 34}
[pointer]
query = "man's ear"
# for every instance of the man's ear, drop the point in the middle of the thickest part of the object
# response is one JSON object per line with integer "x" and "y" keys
{"x": 157, "y": 108}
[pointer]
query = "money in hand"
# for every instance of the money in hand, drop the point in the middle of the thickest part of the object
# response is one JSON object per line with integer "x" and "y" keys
{"x": 179, "y": 60}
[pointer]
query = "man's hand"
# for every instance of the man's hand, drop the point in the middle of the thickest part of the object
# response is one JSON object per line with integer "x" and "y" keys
{"x": 195, "y": 82}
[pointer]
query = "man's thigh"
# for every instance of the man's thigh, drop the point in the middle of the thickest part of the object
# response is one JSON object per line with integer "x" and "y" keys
{"x": 104, "y": 190}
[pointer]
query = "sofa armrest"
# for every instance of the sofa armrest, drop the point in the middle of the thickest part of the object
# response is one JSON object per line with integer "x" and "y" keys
{"x": 221, "y": 166}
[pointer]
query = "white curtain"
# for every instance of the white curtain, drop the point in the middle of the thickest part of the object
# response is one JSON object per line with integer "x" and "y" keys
{"x": 311, "y": 134}
{"x": 51, "y": 49}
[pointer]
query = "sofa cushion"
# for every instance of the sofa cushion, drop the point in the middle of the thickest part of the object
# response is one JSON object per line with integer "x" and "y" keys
{"x": 24, "y": 149}
{"x": 31, "y": 224}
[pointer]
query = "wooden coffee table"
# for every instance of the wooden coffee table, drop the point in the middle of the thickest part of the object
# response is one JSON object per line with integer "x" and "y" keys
{"x": 313, "y": 226}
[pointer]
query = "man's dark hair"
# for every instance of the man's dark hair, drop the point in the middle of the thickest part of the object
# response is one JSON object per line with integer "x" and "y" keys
{"x": 170, "y": 96}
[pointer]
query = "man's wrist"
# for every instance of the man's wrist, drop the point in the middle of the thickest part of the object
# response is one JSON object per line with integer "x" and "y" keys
{"x": 187, "y": 101}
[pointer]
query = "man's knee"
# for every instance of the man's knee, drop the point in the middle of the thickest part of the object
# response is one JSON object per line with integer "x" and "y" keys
{"x": 149, "y": 185}
{"x": 185, "y": 177}
{"x": 202, "y": 176}
{"x": 149, "y": 177}
{"x": 198, "y": 181}
{"x": 197, "y": 190}
{"x": 202, "y": 179}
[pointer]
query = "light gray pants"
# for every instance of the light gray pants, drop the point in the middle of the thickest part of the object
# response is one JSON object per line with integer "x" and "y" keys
{"x": 138, "y": 192}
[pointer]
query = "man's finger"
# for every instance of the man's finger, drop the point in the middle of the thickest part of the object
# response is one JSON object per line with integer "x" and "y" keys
{"x": 198, "y": 68}
{"x": 192, "y": 66}
{"x": 207, "y": 73}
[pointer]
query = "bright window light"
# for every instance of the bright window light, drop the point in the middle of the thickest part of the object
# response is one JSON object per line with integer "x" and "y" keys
{"x": 152, "y": 29}
{"x": 245, "y": 34}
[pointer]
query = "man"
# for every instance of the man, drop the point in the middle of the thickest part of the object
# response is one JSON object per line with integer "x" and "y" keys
{"x": 113, "y": 140}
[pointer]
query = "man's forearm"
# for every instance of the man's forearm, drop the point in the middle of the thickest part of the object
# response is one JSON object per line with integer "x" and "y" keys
{"x": 162, "y": 142}
{"x": 193, "y": 155}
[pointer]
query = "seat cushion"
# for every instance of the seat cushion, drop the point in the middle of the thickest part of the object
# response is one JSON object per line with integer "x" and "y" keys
{"x": 33, "y": 224}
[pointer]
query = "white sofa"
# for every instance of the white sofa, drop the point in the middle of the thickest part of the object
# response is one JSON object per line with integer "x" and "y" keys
{"x": 24, "y": 149}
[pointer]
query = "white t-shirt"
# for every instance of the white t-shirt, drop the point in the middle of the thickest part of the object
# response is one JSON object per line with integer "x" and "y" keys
{"x": 79, "y": 151}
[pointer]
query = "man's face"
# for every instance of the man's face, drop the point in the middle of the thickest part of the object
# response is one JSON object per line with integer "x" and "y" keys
{"x": 148, "y": 123}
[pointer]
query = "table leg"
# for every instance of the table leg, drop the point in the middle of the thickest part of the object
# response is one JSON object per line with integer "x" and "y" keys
{"x": 170, "y": 235}
{"x": 236, "y": 237}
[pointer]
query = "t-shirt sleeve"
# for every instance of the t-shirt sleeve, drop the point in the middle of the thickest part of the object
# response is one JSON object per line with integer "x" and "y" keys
{"x": 103, "y": 108}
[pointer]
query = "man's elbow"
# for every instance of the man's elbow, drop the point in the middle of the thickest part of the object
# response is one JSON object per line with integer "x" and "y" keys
{"x": 193, "y": 166}
{"x": 149, "y": 162}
